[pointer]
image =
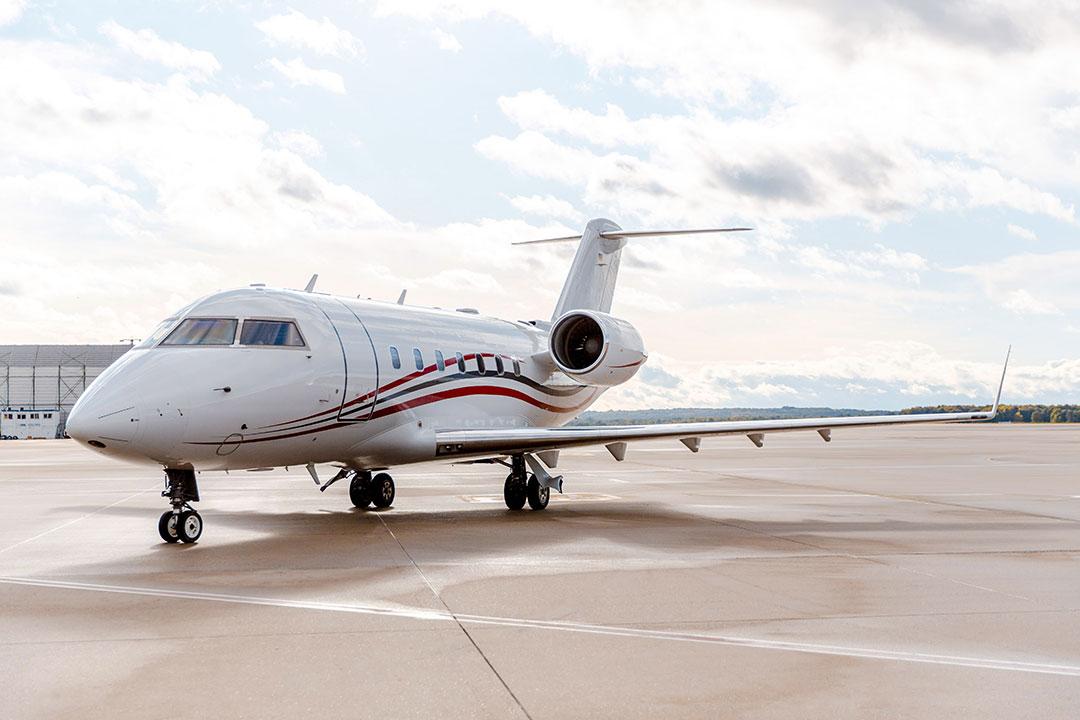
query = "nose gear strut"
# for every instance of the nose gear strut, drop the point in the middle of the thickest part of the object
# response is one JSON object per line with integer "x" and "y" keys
{"x": 182, "y": 523}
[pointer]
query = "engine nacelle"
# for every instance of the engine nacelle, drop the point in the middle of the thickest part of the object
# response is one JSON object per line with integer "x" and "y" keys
{"x": 595, "y": 348}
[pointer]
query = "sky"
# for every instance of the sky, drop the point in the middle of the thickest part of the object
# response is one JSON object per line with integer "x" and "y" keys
{"x": 911, "y": 171}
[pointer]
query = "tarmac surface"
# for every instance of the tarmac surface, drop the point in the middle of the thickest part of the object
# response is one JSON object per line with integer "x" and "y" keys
{"x": 923, "y": 572}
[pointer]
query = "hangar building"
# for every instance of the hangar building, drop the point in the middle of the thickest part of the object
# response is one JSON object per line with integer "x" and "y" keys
{"x": 46, "y": 380}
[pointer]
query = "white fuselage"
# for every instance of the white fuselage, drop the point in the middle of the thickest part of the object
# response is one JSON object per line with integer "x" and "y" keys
{"x": 337, "y": 397}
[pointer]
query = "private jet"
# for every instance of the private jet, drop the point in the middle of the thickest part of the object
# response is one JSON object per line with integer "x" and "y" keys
{"x": 259, "y": 378}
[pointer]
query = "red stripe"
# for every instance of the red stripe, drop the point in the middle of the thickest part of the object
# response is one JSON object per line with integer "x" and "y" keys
{"x": 471, "y": 390}
{"x": 389, "y": 386}
{"x": 424, "y": 400}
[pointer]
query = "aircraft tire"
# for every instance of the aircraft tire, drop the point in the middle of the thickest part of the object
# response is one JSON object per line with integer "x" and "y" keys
{"x": 538, "y": 496}
{"x": 166, "y": 527}
{"x": 360, "y": 491}
{"x": 382, "y": 490}
{"x": 189, "y": 526}
{"x": 514, "y": 493}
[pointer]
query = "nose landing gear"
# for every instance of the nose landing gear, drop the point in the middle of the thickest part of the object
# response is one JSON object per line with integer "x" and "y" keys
{"x": 182, "y": 523}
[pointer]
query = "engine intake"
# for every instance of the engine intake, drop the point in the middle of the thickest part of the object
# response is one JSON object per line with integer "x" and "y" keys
{"x": 596, "y": 348}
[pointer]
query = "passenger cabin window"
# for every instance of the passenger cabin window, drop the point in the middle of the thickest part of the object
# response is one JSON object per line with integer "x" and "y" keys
{"x": 203, "y": 331}
{"x": 517, "y": 367}
{"x": 499, "y": 367}
{"x": 271, "y": 332}
{"x": 419, "y": 358}
{"x": 440, "y": 361}
{"x": 460, "y": 362}
{"x": 480, "y": 363}
{"x": 395, "y": 360}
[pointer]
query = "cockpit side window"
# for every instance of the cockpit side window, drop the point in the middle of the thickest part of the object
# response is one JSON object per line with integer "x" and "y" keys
{"x": 271, "y": 332}
{"x": 203, "y": 331}
{"x": 159, "y": 332}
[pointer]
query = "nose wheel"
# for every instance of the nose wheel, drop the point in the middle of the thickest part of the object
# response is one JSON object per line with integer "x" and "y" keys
{"x": 182, "y": 523}
{"x": 166, "y": 526}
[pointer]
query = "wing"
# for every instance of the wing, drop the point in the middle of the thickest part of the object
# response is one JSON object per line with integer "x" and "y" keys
{"x": 475, "y": 443}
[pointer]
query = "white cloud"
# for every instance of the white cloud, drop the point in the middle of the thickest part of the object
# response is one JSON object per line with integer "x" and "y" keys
{"x": 300, "y": 143}
{"x": 911, "y": 373}
{"x": 297, "y": 30}
{"x": 297, "y": 72}
{"x": 156, "y": 180}
{"x": 446, "y": 41}
{"x": 803, "y": 112}
{"x": 1022, "y": 302}
{"x": 546, "y": 206}
{"x": 147, "y": 45}
{"x": 11, "y": 11}
{"x": 873, "y": 263}
{"x": 1053, "y": 274}
{"x": 1022, "y": 232}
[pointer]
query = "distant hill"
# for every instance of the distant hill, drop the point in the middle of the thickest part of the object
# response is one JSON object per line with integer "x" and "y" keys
{"x": 1014, "y": 413}
{"x": 1006, "y": 413}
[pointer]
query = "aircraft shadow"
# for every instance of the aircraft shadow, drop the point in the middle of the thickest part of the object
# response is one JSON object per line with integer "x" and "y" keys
{"x": 350, "y": 542}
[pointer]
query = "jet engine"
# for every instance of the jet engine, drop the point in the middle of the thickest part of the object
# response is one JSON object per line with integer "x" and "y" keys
{"x": 595, "y": 348}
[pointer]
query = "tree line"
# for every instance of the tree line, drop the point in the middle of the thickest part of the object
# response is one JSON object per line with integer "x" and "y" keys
{"x": 1011, "y": 413}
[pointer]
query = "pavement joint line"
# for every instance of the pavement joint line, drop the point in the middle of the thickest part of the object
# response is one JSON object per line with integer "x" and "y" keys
{"x": 965, "y": 661}
{"x": 464, "y": 630}
{"x": 75, "y": 520}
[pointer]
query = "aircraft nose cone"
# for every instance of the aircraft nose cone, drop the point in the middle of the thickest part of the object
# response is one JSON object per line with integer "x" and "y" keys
{"x": 77, "y": 423}
{"x": 103, "y": 418}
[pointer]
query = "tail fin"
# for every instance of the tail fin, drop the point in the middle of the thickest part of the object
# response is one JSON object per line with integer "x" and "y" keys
{"x": 591, "y": 282}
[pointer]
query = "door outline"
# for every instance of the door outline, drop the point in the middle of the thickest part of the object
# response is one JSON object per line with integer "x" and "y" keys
{"x": 367, "y": 407}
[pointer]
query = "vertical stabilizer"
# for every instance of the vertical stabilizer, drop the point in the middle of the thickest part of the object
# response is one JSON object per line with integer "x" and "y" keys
{"x": 590, "y": 284}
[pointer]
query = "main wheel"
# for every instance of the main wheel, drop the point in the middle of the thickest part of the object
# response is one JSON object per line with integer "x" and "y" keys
{"x": 166, "y": 527}
{"x": 382, "y": 490}
{"x": 360, "y": 490}
{"x": 538, "y": 496}
{"x": 514, "y": 493}
{"x": 189, "y": 526}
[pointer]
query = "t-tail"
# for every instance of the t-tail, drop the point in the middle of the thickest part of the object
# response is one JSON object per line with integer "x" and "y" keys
{"x": 590, "y": 285}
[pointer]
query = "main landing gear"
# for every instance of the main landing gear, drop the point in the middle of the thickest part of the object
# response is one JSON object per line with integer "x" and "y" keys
{"x": 522, "y": 486}
{"x": 182, "y": 523}
{"x": 365, "y": 490}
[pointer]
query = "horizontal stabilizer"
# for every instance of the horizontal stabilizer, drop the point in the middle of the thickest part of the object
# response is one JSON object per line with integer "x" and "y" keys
{"x": 635, "y": 233}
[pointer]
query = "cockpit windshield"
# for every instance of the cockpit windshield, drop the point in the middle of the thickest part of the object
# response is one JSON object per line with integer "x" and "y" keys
{"x": 203, "y": 331}
{"x": 271, "y": 332}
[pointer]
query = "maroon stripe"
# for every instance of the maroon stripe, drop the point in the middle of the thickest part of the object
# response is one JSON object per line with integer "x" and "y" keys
{"x": 471, "y": 390}
{"x": 389, "y": 386}
{"x": 419, "y": 401}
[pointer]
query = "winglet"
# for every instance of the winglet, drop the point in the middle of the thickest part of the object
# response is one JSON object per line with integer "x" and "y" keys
{"x": 311, "y": 283}
{"x": 997, "y": 398}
